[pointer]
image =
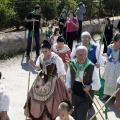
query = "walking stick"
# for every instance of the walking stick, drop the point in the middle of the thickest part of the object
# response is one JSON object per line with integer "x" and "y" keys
{"x": 25, "y": 51}
{"x": 105, "y": 103}
{"x": 83, "y": 84}
{"x": 32, "y": 33}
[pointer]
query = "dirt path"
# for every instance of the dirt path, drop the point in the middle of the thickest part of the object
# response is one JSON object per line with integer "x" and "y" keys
{"x": 15, "y": 78}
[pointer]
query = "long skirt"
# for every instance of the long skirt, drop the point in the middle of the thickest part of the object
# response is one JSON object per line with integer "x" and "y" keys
{"x": 47, "y": 110}
{"x": 112, "y": 72}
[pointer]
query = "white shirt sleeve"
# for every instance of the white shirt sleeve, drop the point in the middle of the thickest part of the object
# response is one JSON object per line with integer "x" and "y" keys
{"x": 96, "y": 79}
{"x": 73, "y": 53}
{"x": 60, "y": 67}
{"x": 101, "y": 60}
{"x": 38, "y": 62}
{"x": 68, "y": 79}
{"x": 5, "y": 102}
{"x": 118, "y": 80}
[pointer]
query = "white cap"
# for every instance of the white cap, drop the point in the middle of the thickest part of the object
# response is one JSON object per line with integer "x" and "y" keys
{"x": 85, "y": 33}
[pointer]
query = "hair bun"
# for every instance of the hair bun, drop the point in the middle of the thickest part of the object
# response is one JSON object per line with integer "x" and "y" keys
{"x": 46, "y": 44}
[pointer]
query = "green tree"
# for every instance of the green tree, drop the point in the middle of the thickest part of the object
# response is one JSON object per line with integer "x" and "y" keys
{"x": 22, "y": 8}
{"x": 6, "y": 14}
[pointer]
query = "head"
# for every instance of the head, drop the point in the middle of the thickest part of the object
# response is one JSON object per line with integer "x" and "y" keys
{"x": 64, "y": 109}
{"x": 117, "y": 41}
{"x": 46, "y": 48}
{"x": 107, "y": 20}
{"x": 50, "y": 27}
{"x": 81, "y": 54}
{"x": 63, "y": 13}
{"x": 60, "y": 42}
{"x": 56, "y": 31}
{"x": 37, "y": 9}
{"x": 71, "y": 14}
{"x": 80, "y": 4}
{"x": 85, "y": 38}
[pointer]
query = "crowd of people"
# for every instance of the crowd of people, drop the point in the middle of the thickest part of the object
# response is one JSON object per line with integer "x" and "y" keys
{"x": 66, "y": 73}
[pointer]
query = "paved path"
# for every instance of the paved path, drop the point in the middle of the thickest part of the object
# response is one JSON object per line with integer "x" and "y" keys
{"x": 15, "y": 77}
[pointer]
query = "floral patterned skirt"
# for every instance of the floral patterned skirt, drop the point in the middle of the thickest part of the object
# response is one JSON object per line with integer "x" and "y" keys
{"x": 111, "y": 73}
{"x": 39, "y": 110}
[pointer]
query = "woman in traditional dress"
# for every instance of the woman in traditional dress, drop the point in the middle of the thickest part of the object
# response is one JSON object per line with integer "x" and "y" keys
{"x": 48, "y": 89}
{"x": 112, "y": 70}
{"x": 61, "y": 50}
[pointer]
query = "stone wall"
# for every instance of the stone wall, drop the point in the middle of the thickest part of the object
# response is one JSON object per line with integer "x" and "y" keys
{"x": 14, "y": 42}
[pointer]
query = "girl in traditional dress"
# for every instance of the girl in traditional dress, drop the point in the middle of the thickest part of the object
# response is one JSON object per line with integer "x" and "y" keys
{"x": 48, "y": 89}
{"x": 61, "y": 49}
{"x": 64, "y": 110}
{"x": 112, "y": 70}
{"x": 54, "y": 36}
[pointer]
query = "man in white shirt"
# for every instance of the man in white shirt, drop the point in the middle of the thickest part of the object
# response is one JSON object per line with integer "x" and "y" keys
{"x": 4, "y": 102}
{"x": 90, "y": 77}
{"x": 117, "y": 101}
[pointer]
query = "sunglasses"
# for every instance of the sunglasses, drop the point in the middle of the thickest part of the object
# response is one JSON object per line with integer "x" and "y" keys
{"x": 85, "y": 39}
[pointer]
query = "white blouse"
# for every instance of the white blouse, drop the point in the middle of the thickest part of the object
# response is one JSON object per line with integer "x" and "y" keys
{"x": 55, "y": 59}
{"x": 4, "y": 99}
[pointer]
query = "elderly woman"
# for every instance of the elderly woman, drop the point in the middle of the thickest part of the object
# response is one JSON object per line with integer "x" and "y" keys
{"x": 4, "y": 102}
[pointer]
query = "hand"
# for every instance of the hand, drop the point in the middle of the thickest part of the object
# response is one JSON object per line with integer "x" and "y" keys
{"x": 87, "y": 88}
{"x": 61, "y": 23}
{"x": 69, "y": 90}
{"x": 72, "y": 22}
{"x": 33, "y": 19}
{"x": 31, "y": 63}
{"x": 117, "y": 104}
{"x": 97, "y": 65}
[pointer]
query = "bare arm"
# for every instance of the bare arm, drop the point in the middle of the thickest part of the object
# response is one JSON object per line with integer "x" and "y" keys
{"x": 31, "y": 63}
{"x": 4, "y": 115}
{"x": 41, "y": 23}
{"x": 117, "y": 100}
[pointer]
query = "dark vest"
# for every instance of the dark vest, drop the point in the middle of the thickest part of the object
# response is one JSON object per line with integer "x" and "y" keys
{"x": 51, "y": 70}
{"x": 77, "y": 87}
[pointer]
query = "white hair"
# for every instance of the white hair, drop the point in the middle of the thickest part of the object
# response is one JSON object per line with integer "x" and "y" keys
{"x": 82, "y": 48}
{"x": 85, "y": 33}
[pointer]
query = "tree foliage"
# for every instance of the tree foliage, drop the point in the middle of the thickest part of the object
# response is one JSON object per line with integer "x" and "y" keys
{"x": 13, "y": 12}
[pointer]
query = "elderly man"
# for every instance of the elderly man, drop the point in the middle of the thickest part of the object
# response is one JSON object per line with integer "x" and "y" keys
{"x": 93, "y": 51}
{"x": 90, "y": 77}
{"x": 4, "y": 102}
{"x": 117, "y": 101}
